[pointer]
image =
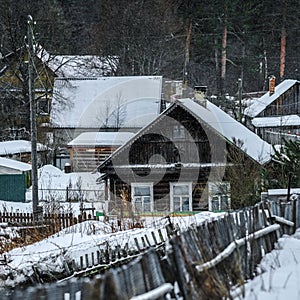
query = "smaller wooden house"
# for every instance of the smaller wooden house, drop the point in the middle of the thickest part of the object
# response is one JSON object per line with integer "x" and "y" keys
{"x": 21, "y": 150}
{"x": 273, "y": 129}
{"x": 276, "y": 113}
{"x": 181, "y": 160}
{"x": 280, "y": 195}
{"x": 15, "y": 178}
{"x": 90, "y": 149}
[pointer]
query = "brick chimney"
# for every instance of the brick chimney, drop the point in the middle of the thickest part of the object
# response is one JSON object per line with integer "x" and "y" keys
{"x": 272, "y": 85}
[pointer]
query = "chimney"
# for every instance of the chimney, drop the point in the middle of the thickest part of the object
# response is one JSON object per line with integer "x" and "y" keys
{"x": 200, "y": 92}
{"x": 272, "y": 85}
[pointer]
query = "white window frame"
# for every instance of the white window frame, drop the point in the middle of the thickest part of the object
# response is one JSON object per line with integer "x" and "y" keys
{"x": 172, "y": 184}
{"x": 214, "y": 191}
{"x": 143, "y": 184}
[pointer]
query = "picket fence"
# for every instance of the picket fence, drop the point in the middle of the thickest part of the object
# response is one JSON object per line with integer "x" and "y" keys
{"x": 63, "y": 220}
{"x": 204, "y": 262}
{"x": 29, "y": 231}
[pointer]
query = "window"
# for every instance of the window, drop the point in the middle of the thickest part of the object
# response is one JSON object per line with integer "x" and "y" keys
{"x": 181, "y": 196}
{"x": 178, "y": 132}
{"x": 142, "y": 197}
{"x": 219, "y": 196}
{"x": 43, "y": 106}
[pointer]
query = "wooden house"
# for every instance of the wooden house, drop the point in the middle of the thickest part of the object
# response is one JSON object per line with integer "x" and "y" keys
{"x": 277, "y": 113}
{"x": 89, "y": 149}
{"x": 90, "y": 104}
{"x": 181, "y": 160}
{"x": 15, "y": 105}
{"x": 280, "y": 195}
{"x": 14, "y": 108}
{"x": 21, "y": 150}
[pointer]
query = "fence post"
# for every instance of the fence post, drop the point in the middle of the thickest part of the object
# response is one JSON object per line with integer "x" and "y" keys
{"x": 87, "y": 260}
{"x": 161, "y": 236}
{"x": 81, "y": 262}
{"x": 154, "y": 237}
{"x": 137, "y": 244}
{"x": 294, "y": 212}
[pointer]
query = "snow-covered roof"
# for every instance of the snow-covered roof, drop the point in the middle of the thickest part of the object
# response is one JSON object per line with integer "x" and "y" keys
{"x": 288, "y": 120}
{"x": 219, "y": 121}
{"x": 173, "y": 165}
{"x": 14, "y": 164}
{"x": 231, "y": 129}
{"x": 78, "y": 65}
{"x": 101, "y": 139}
{"x": 261, "y": 103}
{"x": 106, "y": 101}
{"x": 18, "y": 146}
{"x": 278, "y": 192}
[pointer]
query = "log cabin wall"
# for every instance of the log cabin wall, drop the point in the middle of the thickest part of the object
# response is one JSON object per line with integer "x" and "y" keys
{"x": 161, "y": 188}
{"x": 287, "y": 104}
{"x": 159, "y": 145}
{"x": 86, "y": 159}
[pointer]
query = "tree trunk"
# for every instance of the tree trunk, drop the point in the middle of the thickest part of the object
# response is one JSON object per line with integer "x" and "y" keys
{"x": 223, "y": 58}
{"x": 283, "y": 43}
{"x": 217, "y": 65}
{"x": 187, "y": 51}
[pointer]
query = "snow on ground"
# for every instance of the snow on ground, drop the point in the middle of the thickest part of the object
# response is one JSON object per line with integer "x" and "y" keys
{"x": 279, "y": 271}
{"x": 78, "y": 240}
{"x": 53, "y": 184}
{"x": 280, "y": 277}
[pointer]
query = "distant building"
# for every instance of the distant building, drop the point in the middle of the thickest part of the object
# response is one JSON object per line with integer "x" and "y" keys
{"x": 276, "y": 114}
{"x": 280, "y": 195}
{"x": 14, "y": 112}
{"x": 74, "y": 66}
{"x": 90, "y": 149}
{"x": 21, "y": 150}
{"x": 108, "y": 104}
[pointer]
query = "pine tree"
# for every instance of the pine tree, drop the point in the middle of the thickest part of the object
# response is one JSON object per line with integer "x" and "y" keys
{"x": 287, "y": 163}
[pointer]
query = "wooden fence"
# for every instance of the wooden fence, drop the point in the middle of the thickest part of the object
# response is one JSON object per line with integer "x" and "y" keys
{"x": 63, "y": 220}
{"x": 29, "y": 232}
{"x": 204, "y": 262}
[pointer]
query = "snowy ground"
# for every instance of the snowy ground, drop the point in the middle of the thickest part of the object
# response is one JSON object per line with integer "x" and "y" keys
{"x": 53, "y": 184}
{"x": 78, "y": 240}
{"x": 280, "y": 269}
{"x": 280, "y": 277}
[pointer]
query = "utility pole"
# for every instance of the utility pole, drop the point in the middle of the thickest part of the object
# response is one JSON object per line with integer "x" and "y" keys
{"x": 35, "y": 200}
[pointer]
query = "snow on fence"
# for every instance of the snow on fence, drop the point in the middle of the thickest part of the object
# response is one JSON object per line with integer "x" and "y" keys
{"x": 204, "y": 262}
{"x": 68, "y": 194}
{"x": 52, "y": 223}
{"x": 107, "y": 256}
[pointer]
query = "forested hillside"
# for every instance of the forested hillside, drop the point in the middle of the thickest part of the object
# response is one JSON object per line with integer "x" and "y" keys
{"x": 209, "y": 42}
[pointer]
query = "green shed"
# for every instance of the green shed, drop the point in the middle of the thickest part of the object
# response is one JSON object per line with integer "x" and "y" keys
{"x": 15, "y": 178}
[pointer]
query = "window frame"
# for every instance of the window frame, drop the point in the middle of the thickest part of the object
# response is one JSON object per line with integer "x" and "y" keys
{"x": 212, "y": 187}
{"x": 142, "y": 184}
{"x": 172, "y": 185}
